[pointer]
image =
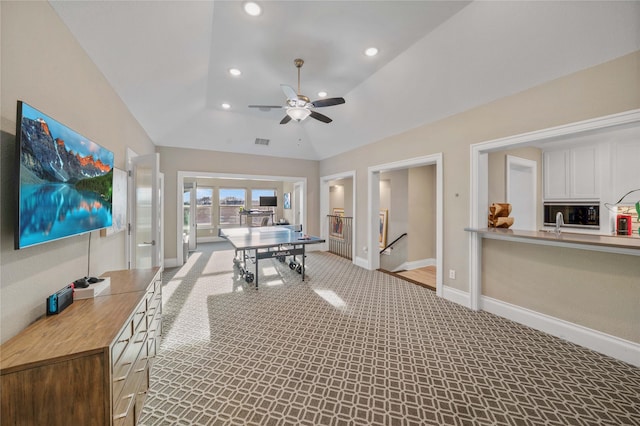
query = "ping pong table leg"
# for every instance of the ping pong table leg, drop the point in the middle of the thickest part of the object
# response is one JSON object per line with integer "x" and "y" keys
{"x": 256, "y": 277}
{"x": 303, "y": 256}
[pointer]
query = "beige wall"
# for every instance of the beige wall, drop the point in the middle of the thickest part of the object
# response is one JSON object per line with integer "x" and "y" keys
{"x": 605, "y": 89}
{"x": 43, "y": 65}
{"x": 600, "y": 291}
{"x": 287, "y": 214}
{"x": 341, "y": 195}
{"x": 336, "y": 195}
{"x": 394, "y": 198}
{"x": 422, "y": 213}
{"x": 173, "y": 160}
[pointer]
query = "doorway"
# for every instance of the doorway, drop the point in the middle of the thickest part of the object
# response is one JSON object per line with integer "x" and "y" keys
{"x": 373, "y": 214}
{"x": 349, "y": 208}
{"x": 298, "y": 201}
{"x": 145, "y": 243}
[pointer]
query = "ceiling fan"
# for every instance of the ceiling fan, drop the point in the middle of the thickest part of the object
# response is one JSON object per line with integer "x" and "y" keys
{"x": 299, "y": 106}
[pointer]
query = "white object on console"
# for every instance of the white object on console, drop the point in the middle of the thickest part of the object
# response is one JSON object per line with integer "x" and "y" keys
{"x": 93, "y": 290}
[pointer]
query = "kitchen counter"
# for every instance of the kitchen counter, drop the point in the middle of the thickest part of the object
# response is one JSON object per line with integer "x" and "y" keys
{"x": 621, "y": 244}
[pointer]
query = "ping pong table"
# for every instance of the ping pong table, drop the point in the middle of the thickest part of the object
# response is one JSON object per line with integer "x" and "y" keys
{"x": 268, "y": 242}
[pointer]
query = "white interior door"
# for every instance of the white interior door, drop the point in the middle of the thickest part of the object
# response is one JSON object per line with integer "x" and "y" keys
{"x": 144, "y": 237}
{"x": 522, "y": 192}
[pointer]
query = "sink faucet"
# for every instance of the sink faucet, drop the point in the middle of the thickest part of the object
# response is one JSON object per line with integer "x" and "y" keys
{"x": 559, "y": 222}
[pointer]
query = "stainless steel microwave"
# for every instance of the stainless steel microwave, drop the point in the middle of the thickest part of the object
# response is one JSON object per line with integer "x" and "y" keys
{"x": 576, "y": 215}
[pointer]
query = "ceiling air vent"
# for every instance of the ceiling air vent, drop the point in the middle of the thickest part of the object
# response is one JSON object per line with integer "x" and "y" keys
{"x": 260, "y": 141}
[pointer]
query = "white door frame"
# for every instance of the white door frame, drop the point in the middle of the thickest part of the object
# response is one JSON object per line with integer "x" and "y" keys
{"x": 325, "y": 205}
{"x": 128, "y": 244}
{"x": 299, "y": 202}
{"x": 373, "y": 187}
{"x": 193, "y": 222}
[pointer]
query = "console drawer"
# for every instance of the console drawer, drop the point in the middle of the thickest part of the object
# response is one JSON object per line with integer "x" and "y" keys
{"x": 118, "y": 348}
{"x": 123, "y": 368}
{"x": 124, "y": 410}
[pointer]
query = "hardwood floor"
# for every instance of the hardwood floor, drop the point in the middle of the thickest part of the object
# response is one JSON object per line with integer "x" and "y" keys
{"x": 425, "y": 277}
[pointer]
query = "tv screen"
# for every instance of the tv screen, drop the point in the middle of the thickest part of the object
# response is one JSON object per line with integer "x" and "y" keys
{"x": 268, "y": 201}
{"x": 64, "y": 180}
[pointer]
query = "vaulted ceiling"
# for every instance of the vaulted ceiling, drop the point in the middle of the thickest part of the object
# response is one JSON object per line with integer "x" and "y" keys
{"x": 169, "y": 62}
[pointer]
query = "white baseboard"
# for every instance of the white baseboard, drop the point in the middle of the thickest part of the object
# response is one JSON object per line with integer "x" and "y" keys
{"x": 598, "y": 341}
{"x": 361, "y": 262}
{"x": 415, "y": 264}
{"x": 456, "y": 296}
{"x": 313, "y": 247}
{"x": 212, "y": 239}
{"x": 172, "y": 263}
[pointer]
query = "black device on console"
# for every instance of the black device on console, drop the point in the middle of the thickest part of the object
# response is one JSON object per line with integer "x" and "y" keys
{"x": 58, "y": 301}
{"x": 86, "y": 281}
{"x": 81, "y": 283}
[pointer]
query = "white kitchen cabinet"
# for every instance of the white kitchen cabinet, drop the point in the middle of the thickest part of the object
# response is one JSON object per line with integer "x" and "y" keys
{"x": 584, "y": 167}
{"x": 626, "y": 170}
{"x": 555, "y": 174}
{"x": 572, "y": 173}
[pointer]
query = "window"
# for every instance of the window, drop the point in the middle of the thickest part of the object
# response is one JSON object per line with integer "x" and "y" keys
{"x": 255, "y": 198}
{"x": 231, "y": 200}
{"x": 204, "y": 206}
{"x": 186, "y": 204}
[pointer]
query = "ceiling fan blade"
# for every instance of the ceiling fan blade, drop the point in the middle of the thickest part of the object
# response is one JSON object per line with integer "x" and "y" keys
{"x": 327, "y": 102}
{"x": 320, "y": 117}
{"x": 265, "y": 107}
{"x": 285, "y": 120}
{"x": 289, "y": 92}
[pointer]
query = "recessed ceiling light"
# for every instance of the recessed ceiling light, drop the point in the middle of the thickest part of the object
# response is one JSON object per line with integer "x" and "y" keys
{"x": 252, "y": 8}
{"x": 226, "y": 106}
{"x": 372, "y": 51}
{"x": 322, "y": 94}
{"x": 235, "y": 72}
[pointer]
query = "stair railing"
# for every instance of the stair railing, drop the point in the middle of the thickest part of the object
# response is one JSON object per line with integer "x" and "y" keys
{"x": 390, "y": 245}
{"x": 340, "y": 231}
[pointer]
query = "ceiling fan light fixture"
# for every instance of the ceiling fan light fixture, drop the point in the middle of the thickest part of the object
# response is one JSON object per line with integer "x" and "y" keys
{"x": 298, "y": 113}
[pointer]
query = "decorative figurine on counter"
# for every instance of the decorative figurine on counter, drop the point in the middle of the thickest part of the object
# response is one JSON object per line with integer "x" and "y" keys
{"x": 499, "y": 215}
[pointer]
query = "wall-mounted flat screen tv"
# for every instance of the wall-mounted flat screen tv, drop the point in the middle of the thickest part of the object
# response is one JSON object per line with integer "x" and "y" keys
{"x": 64, "y": 180}
{"x": 268, "y": 201}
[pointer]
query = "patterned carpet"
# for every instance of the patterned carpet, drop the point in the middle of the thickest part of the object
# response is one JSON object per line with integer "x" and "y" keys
{"x": 356, "y": 347}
